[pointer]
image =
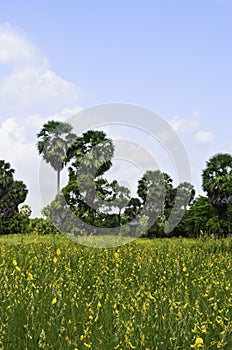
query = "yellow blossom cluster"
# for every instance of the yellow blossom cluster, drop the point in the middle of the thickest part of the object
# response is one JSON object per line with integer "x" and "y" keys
{"x": 146, "y": 295}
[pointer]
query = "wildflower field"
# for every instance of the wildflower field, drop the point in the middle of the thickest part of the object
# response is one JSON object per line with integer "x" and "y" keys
{"x": 148, "y": 295}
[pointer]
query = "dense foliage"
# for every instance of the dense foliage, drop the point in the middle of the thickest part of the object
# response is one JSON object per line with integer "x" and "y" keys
{"x": 217, "y": 183}
{"x": 12, "y": 194}
{"x": 158, "y": 210}
{"x": 54, "y": 140}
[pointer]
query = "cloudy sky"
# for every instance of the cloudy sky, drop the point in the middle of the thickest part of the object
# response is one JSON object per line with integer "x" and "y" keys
{"x": 171, "y": 57}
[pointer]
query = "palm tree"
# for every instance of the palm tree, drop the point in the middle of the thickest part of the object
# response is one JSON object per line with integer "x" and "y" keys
{"x": 121, "y": 197}
{"x": 92, "y": 151}
{"x": 133, "y": 208}
{"x": 184, "y": 195}
{"x": 55, "y": 138}
{"x": 91, "y": 156}
{"x": 217, "y": 182}
{"x": 152, "y": 190}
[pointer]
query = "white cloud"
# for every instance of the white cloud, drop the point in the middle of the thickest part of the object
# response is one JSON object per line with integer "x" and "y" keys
{"x": 204, "y": 137}
{"x": 31, "y": 93}
{"x": 15, "y": 48}
{"x": 22, "y": 156}
{"x": 31, "y": 86}
{"x": 18, "y": 144}
{"x": 183, "y": 125}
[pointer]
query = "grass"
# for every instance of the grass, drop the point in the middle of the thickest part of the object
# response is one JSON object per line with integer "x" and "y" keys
{"x": 146, "y": 295}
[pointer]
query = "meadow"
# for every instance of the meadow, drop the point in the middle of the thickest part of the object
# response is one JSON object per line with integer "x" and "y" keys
{"x": 148, "y": 295}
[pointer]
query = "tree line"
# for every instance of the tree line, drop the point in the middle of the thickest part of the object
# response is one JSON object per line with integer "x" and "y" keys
{"x": 91, "y": 198}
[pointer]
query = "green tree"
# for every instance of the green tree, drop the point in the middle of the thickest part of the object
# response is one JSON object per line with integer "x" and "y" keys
{"x": 196, "y": 218}
{"x": 121, "y": 198}
{"x": 170, "y": 191}
{"x": 92, "y": 152}
{"x": 152, "y": 184}
{"x": 59, "y": 214}
{"x": 133, "y": 209}
{"x": 20, "y": 222}
{"x": 185, "y": 193}
{"x": 217, "y": 183}
{"x": 216, "y": 227}
{"x": 152, "y": 191}
{"x": 42, "y": 226}
{"x": 55, "y": 139}
{"x": 6, "y": 177}
{"x": 12, "y": 194}
{"x": 90, "y": 157}
{"x": 229, "y": 219}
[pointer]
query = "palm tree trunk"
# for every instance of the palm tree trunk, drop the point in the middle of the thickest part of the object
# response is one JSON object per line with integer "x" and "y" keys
{"x": 58, "y": 181}
{"x": 92, "y": 214}
{"x": 119, "y": 218}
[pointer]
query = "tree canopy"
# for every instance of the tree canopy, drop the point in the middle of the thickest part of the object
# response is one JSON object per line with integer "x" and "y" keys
{"x": 12, "y": 194}
{"x": 54, "y": 141}
{"x": 89, "y": 197}
{"x": 217, "y": 183}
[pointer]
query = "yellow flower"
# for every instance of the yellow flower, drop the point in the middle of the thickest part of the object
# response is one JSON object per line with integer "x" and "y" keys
{"x": 184, "y": 268}
{"x": 219, "y": 319}
{"x": 14, "y": 262}
{"x": 198, "y": 343}
{"x": 55, "y": 260}
{"x": 132, "y": 346}
{"x": 194, "y": 330}
{"x": 87, "y": 345}
{"x": 203, "y": 329}
{"x": 150, "y": 296}
{"x": 54, "y": 300}
{"x": 29, "y": 276}
{"x": 58, "y": 252}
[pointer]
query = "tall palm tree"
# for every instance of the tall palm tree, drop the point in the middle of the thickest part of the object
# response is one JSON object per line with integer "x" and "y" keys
{"x": 151, "y": 189}
{"x": 93, "y": 151}
{"x": 121, "y": 198}
{"x": 185, "y": 193}
{"x": 217, "y": 182}
{"x": 55, "y": 138}
{"x": 91, "y": 156}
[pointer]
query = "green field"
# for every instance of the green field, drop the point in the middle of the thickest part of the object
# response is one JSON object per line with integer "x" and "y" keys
{"x": 148, "y": 295}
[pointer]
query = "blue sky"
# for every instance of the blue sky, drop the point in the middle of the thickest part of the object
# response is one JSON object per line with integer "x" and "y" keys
{"x": 173, "y": 57}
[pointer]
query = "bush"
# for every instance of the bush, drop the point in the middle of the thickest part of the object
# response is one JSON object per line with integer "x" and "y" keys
{"x": 42, "y": 226}
{"x": 19, "y": 223}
